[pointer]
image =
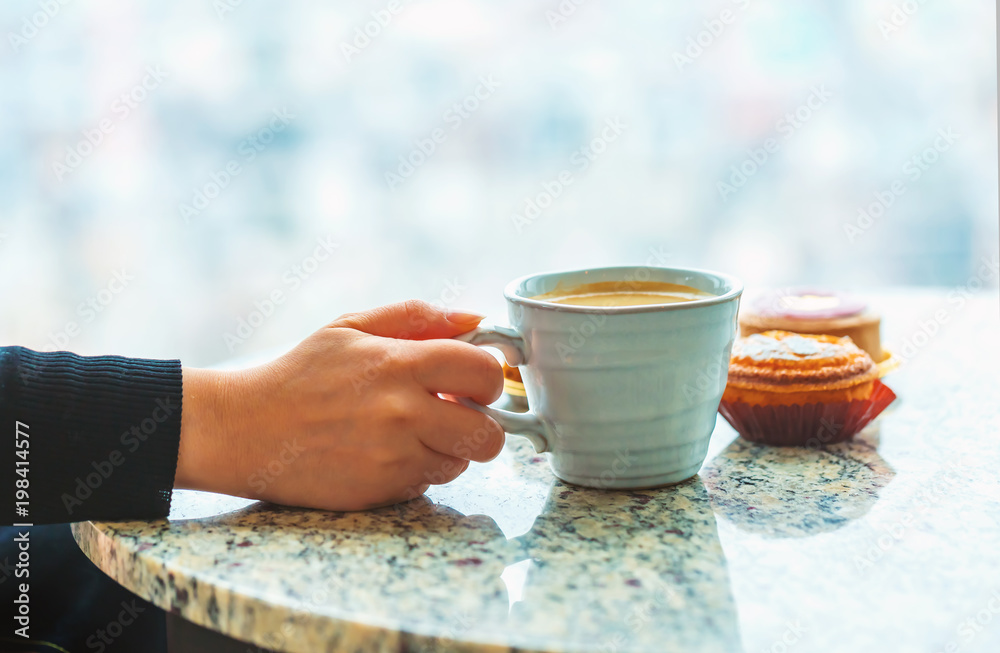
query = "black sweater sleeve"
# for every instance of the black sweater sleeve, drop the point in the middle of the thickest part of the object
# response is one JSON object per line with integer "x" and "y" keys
{"x": 86, "y": 437}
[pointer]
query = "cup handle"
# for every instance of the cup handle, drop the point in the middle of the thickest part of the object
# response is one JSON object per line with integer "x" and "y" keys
{"x": 512, "y": 345}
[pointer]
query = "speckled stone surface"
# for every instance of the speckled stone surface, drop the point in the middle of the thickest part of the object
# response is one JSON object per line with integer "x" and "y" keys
{"x": 889, "y": 542}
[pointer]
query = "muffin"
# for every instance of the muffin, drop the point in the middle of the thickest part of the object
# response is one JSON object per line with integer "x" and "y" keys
{"x": 810, "y": 310}
{"x": 793, "y": 389}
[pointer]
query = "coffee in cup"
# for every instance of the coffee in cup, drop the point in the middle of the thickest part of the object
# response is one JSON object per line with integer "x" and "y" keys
{"x": 620, "y": 395}
{"x": 623, "y": 293}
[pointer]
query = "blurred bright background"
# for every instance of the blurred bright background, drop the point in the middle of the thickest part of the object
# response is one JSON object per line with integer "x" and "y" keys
{"x": 166, "y": 167}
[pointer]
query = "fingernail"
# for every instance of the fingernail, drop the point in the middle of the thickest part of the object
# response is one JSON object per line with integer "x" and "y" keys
{"x": 464, "y": 317}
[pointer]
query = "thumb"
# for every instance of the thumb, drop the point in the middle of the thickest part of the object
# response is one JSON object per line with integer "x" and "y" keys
{"x": 410, "y": 320}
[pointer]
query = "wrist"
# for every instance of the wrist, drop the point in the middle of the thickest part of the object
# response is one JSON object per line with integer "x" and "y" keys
{"x": 200, "y": 461}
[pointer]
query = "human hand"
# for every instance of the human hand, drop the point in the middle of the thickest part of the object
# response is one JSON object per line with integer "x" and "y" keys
{"x": 350, "y": 419}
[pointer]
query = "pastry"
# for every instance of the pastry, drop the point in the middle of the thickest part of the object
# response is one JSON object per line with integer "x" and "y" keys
{"x": 795, "y": 389}
{"x": 808, "y": 310}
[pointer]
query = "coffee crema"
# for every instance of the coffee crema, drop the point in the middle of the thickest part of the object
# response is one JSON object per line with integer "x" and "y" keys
{"x": 623, "y": 293}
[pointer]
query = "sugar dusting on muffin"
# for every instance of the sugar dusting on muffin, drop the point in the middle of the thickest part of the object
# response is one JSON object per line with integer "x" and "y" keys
{"x": 782, "y": 361}
{"x": 785, "y": 387}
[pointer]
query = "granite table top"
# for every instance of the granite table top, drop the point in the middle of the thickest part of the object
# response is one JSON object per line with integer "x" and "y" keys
{"x": 889, "y": 542}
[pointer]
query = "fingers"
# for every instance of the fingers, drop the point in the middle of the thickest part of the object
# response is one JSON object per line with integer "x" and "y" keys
{"x": 425, "y": 468}
{"x": 454, "y": 430}
{"x": 456, "y": 368}
{"x": 440, "y": 469}
{"x": 430, "y": 468}
{"x": 410, "y": 320}
{"x": 402, "y": 496}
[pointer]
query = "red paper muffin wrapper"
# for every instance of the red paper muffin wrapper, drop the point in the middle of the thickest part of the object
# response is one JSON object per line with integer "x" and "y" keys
{"x": 802, "y": 425}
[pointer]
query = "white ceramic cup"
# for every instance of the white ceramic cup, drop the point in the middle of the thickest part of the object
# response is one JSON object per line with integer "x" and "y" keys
{"x": 619, "y": 397}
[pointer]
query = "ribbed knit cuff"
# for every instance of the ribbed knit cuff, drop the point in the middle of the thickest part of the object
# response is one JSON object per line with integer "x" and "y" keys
{"x": 103, "y": 435}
